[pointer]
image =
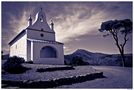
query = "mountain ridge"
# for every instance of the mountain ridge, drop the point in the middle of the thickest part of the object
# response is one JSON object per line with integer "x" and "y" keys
{"x": 98, "y": 58}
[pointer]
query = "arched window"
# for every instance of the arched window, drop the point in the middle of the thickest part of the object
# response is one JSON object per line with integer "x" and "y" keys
{"x": 48, "y": 52}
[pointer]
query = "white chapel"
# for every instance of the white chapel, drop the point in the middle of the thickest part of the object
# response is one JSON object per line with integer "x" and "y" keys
{"x": 37, "y": 42}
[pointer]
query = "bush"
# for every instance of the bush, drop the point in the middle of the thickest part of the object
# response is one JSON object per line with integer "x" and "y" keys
{"x": 128, "y": 61}
{"x": 29, "y": 62}
{"x": 14, "y": 65}
{"x": 65, "y": 63}
{"x": 78, "y": 61}
{"x": 54, "y": 69}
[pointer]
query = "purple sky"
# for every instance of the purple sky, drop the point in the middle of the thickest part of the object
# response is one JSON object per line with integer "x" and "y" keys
{"x": 76, "y": 23}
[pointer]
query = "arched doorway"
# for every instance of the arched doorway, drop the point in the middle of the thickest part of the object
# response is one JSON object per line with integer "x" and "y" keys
{"x": 48, "y": 52}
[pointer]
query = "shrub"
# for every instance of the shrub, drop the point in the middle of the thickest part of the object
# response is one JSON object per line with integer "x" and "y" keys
{"x": 78, "y": 61}
{"x": 65, "y": 63}
{"x": 29, "y": 62}
{"x": 54, "y": 69}
{"x": 14, "y": 65}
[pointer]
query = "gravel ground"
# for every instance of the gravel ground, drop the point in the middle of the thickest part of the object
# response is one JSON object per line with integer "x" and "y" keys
{"x": 117, "y": 77}
{"x": 44, "y": 76}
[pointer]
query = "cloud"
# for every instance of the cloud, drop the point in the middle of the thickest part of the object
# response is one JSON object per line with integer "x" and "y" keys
{"x": 76, "y": 20}
{"x": 82, "y": 20}
{"x": 72, "y": 20}
{"x": 16, "y": 24}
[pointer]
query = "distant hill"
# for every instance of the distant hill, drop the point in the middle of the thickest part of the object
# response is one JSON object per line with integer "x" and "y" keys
{"x": 94, "y": 58}
{"x": 98, "y": 58}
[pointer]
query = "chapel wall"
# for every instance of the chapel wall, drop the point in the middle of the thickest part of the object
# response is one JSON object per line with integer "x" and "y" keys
{"x": 40, "y": 35}
{"x": 19, "y": 48}
{"x": 36, "y": 54}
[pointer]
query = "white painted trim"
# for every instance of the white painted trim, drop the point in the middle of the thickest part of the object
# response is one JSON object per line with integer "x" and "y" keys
{"x": 32, "y": 52}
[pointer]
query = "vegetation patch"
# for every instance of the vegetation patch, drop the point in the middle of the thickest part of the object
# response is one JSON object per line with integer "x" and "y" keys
{"x": 14, "y": 65}
{"x": 54, "y": 69}
{"x": 76, "y": 61}
{"x": 29, "y": 62}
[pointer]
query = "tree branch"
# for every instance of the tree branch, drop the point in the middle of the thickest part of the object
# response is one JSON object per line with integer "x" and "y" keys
{"x": 125, "y": 40}
{"x": 115, "y": 37}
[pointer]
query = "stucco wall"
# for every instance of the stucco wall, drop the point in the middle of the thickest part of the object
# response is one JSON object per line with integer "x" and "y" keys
{"x": 36, "y": 34}
{"x": 37, "y": 46}
{"x": 19, "y": 47}
{"x": 28, "y": 50}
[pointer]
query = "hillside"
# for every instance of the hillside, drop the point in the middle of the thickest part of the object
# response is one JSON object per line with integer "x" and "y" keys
{"x": 98, "y": 58}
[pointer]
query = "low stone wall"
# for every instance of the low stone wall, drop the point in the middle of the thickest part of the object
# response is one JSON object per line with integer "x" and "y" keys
{"x": 51, "y": 69}
{"x": 52, "y": 83}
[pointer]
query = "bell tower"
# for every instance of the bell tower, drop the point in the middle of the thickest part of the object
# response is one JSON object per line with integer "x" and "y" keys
{"x": 39, "y": 29}
{"x": 40, "y": 22}
{"x": 41, "y": 16}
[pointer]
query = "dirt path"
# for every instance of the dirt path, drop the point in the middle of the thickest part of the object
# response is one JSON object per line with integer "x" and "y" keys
{"x": 117, "y": 77}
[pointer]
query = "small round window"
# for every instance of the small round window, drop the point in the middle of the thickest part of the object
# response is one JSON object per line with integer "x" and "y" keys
{"x": 41, "y": 35}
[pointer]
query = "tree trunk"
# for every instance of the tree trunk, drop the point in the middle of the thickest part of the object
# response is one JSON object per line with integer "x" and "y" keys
{"x": 123, "y": 59}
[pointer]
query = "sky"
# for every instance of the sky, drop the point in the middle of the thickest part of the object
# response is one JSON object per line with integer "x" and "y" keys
{"x": 76, "y": 24}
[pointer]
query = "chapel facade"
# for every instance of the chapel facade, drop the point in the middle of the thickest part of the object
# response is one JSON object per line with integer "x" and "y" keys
{"x": 37, "y": 42}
